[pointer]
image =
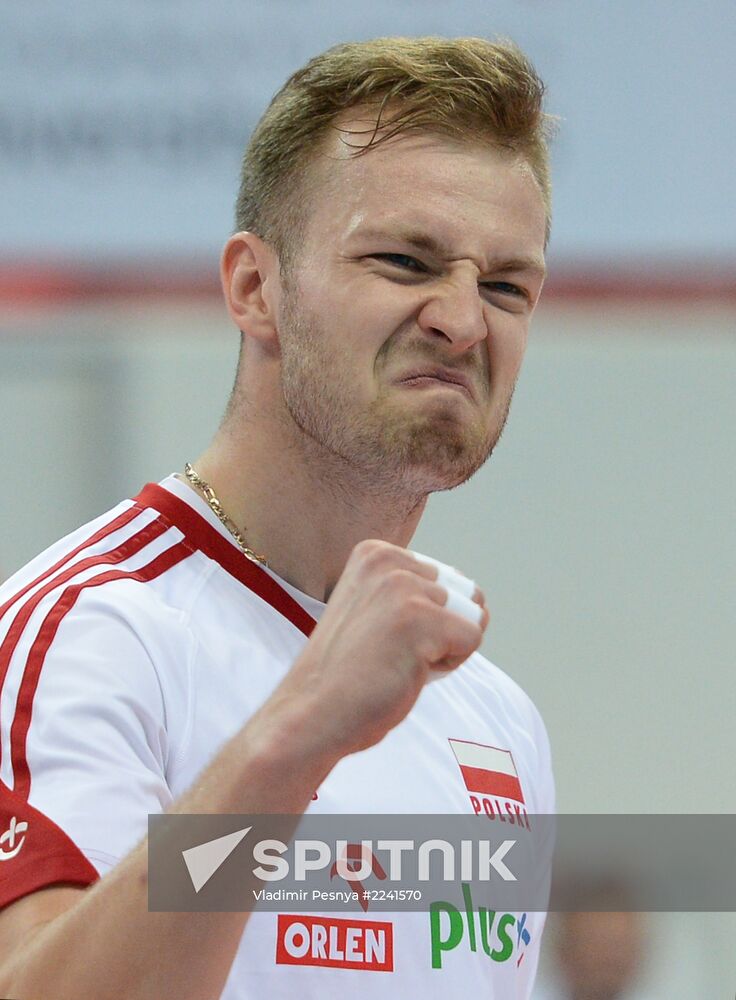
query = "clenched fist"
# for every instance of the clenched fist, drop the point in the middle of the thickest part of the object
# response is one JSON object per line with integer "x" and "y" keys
{"x": 386, "y": 627}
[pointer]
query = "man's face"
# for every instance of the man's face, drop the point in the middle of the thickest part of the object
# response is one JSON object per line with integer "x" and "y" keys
{"x": 422, "y": 263}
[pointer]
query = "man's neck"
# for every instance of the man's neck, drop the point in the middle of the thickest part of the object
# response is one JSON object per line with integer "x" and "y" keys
{"x": 301, "y": 509}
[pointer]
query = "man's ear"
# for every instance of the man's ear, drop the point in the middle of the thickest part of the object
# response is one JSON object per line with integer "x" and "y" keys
{"x": 249, "y": 272}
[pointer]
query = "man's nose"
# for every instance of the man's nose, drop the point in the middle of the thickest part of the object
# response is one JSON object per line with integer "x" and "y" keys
{"x": 455, "y": 312}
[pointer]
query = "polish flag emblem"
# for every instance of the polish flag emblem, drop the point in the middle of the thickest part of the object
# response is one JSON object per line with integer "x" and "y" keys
{"x": 487, "y": 770}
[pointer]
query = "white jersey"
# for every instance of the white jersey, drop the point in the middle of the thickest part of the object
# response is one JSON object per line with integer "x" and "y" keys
{"x": 133, "y": 649}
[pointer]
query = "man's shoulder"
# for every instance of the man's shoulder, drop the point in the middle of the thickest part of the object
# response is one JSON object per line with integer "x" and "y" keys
{"x": 86, "y": 627}
{"x": 62, "y": 552}
{"x": 128, "y": 557}
{"x": 489, "y": 681}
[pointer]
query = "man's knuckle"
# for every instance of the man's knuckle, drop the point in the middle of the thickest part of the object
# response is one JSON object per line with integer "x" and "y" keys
{"x": 414, "y": 605}
{"x": 364, "y": 547}
{"x": 394, "y": 584}
{"x": 373, "y": 554}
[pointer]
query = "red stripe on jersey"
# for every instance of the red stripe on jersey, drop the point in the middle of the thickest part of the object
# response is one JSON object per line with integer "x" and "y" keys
{"x": 128, "y": 548}
{"x": 108, "y": 529}
{"x": 46, "y": 634}
{"x": 208, "y": 540}
{"x": 478, "y": 779}
{"x": 35, "y": 851}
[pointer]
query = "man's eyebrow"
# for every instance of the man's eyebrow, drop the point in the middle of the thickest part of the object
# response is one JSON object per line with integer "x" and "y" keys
{"x": 532, "y": 264}
{"x": 423, "y": 241}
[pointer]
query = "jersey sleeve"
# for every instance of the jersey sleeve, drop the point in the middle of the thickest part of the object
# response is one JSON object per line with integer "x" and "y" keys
{"x": 85, "y": 736}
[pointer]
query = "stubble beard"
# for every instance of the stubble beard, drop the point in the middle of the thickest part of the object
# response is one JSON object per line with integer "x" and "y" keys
{"x": 384, "y": 446}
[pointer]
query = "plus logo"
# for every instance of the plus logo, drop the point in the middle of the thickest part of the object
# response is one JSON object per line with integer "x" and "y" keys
{"x": 9, "y": 838}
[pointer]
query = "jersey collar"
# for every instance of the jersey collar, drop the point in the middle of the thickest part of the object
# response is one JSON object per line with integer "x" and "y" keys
{"x": 204, "y": 537}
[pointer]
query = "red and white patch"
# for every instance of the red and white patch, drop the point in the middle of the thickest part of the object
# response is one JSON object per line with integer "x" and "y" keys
{"x": 491, "y": 777}
{"x": 487, "y": 770}
{"x": 335, "y": 943}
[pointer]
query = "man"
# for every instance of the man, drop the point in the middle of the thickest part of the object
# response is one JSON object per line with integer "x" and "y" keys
{"x": 392, "y": 221}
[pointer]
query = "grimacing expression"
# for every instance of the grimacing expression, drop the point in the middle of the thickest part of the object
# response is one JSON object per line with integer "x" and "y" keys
{"x": 420, "y": 268}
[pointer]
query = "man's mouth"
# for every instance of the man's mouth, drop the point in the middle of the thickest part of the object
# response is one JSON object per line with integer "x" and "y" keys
{"x": 436, "y": 377}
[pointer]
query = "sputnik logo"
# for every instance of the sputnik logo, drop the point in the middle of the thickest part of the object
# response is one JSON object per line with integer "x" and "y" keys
{"x": 356, "y": 858}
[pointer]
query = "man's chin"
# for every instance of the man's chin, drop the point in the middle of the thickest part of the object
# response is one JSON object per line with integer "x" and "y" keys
{"x": 438, "y": 480}
{"x": 443, "y": 468}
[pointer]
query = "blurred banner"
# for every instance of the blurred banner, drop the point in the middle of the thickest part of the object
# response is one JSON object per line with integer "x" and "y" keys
{"x": 122, "y": 127}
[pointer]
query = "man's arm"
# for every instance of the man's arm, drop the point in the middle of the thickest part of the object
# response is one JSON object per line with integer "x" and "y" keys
{"x": 384, "y": 629}
{"x": 106, "y": 944}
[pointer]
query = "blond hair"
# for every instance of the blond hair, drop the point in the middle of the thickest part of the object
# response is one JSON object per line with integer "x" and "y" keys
{"x": 466, "y": 89}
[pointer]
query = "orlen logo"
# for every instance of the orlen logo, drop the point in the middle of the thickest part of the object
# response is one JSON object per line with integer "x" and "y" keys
{"x": 335, "y": 943}
{"x": 9, "y": 838}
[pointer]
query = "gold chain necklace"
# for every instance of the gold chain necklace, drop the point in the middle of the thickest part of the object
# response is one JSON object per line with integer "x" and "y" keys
{"x": 217, "y": 509}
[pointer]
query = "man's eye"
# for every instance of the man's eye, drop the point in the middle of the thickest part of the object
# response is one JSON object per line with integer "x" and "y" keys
{"x": 405, "y": 262}
{"x": 399, "y": 260}
{"x": 506, "y": 288}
